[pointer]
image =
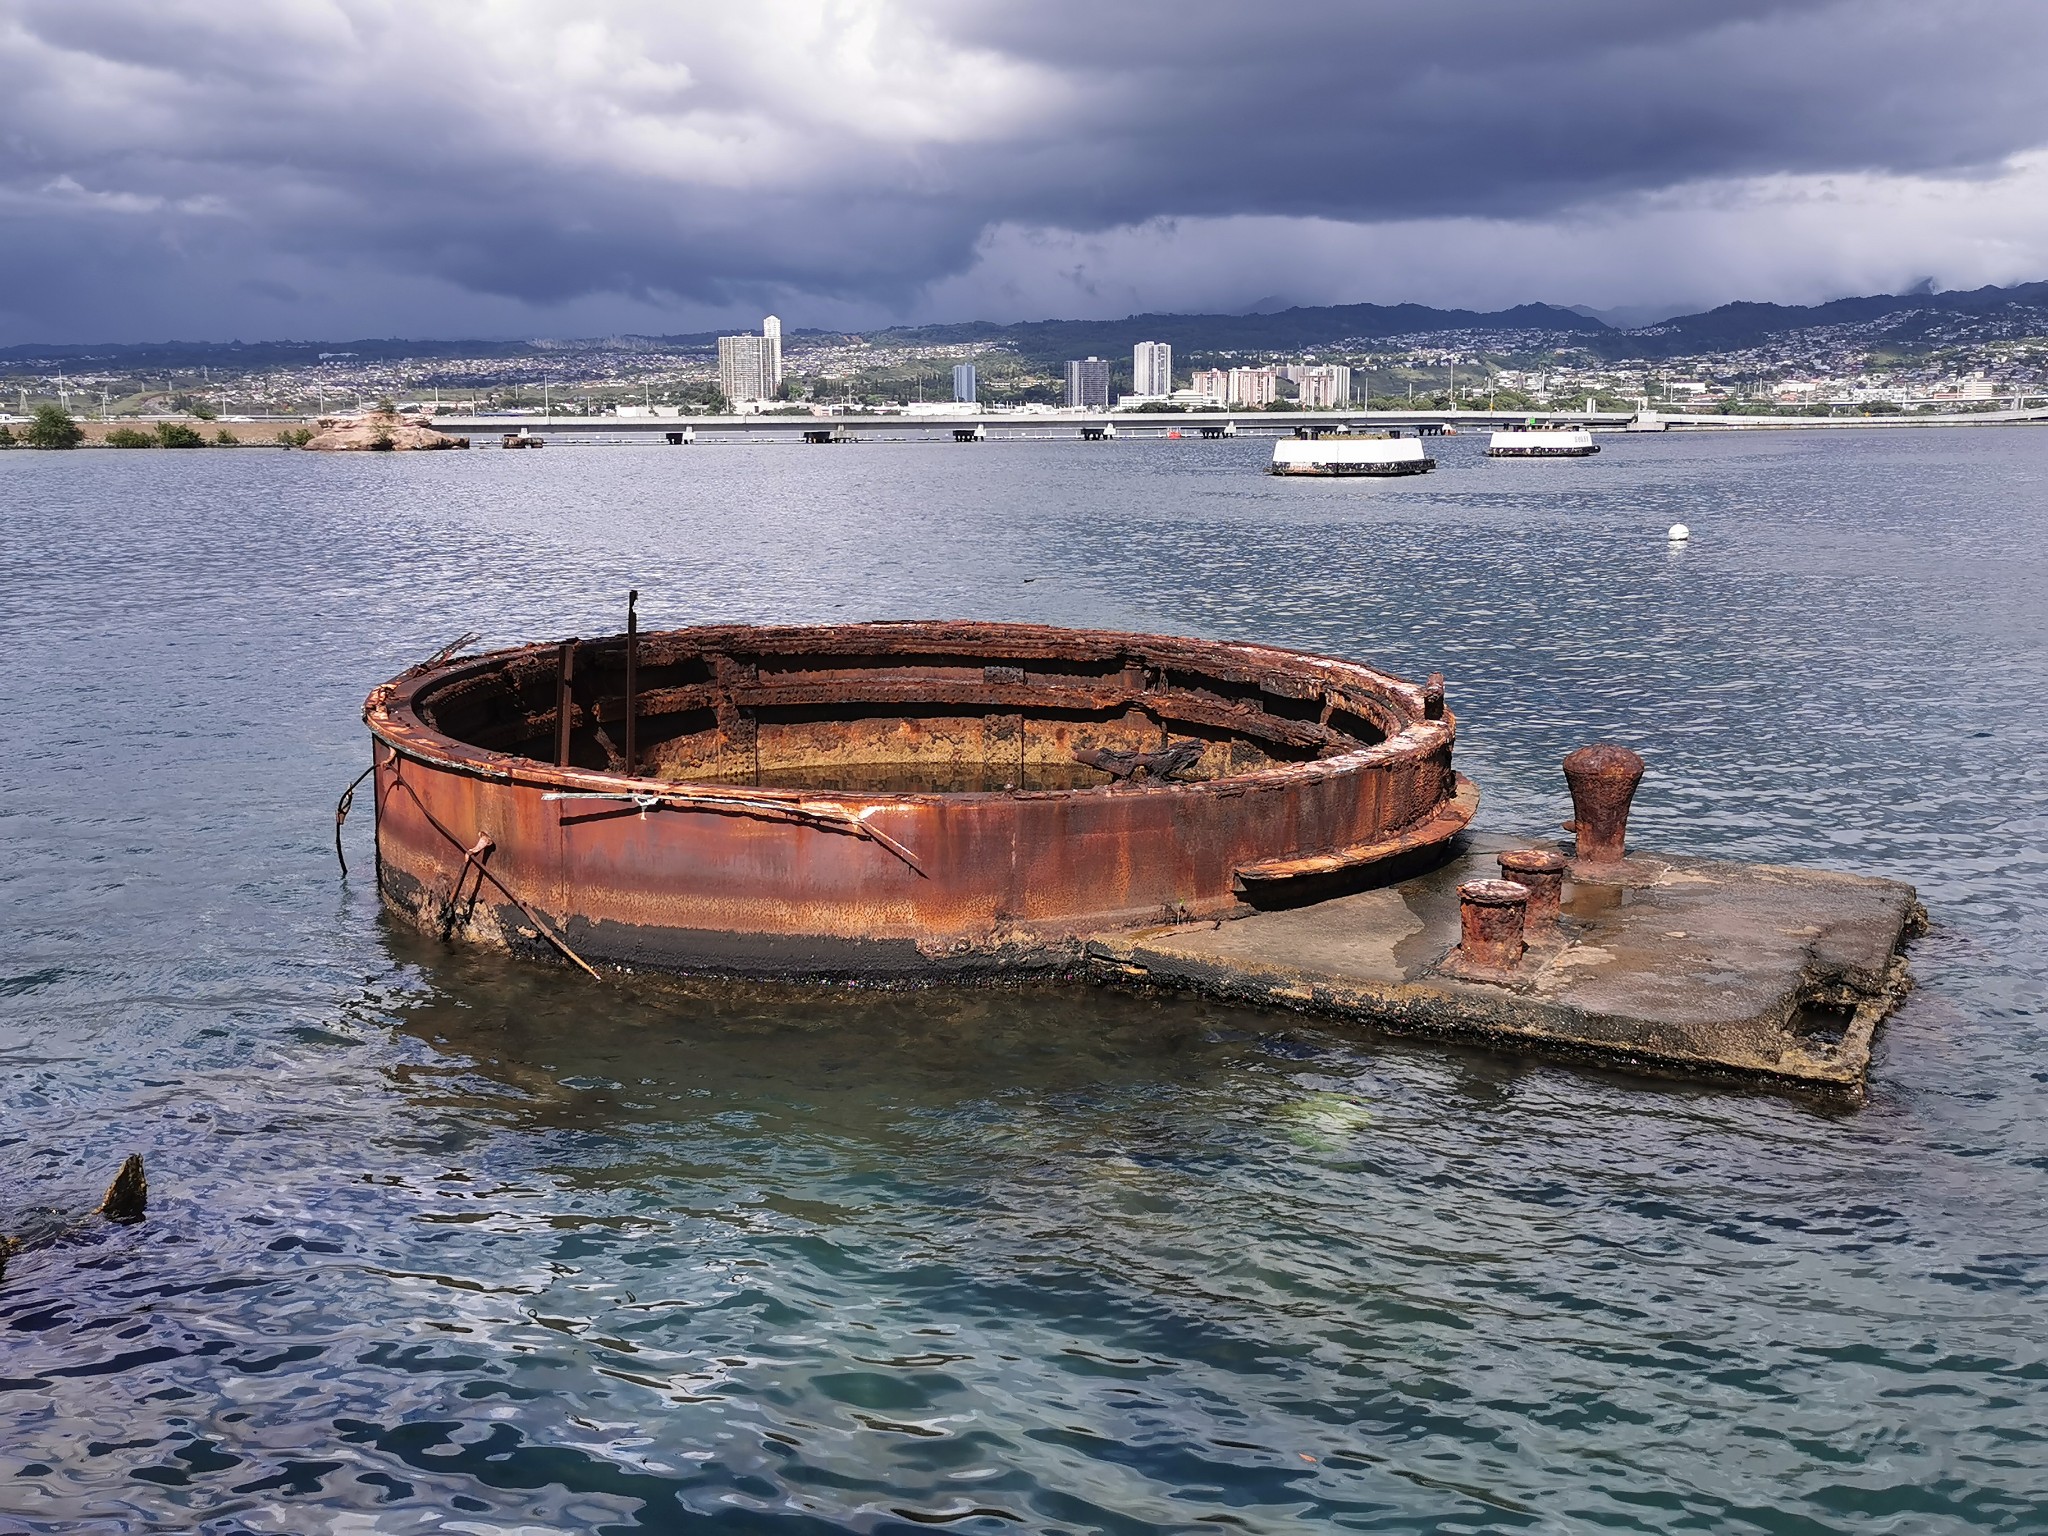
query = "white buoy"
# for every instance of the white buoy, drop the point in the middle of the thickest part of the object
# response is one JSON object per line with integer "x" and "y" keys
{"x": 1679, "y": 533}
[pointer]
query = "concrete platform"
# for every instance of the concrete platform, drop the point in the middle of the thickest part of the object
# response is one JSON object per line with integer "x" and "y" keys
{"x": 1672, "y": 966}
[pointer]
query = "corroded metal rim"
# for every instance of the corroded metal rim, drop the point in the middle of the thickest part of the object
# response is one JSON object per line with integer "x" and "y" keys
{"x": 1306, "y": 771}
{"x": 393, "y": 709}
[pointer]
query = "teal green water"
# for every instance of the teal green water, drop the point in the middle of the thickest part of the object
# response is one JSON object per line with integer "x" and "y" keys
{"x": 445, "y": 1243}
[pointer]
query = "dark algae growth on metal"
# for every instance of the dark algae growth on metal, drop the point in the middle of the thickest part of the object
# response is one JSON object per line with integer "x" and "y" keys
{"x": 436, "y": 1240}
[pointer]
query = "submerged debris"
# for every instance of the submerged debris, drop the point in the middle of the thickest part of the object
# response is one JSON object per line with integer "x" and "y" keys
{"x": 126, "y": 1202}
{"x": 127, "y": 1198}
{"x": 1163, "y": 764}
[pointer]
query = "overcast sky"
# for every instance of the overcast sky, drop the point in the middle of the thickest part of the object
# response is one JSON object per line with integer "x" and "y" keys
{"x": 326, "y": 168}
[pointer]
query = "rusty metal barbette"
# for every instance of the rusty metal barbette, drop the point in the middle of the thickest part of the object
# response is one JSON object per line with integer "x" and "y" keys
{"x": 891, "y": 798}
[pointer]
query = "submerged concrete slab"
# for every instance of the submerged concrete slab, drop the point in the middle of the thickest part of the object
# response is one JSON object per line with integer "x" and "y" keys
{"x": 1678, "y": 966}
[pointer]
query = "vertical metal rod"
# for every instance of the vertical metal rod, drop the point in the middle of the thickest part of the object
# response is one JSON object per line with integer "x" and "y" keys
{"x": 565, "y": 703}
{"x": 632, "y": 678}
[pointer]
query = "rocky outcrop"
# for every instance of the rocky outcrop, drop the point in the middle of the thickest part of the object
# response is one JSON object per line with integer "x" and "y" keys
{"x": 379, "y": 432}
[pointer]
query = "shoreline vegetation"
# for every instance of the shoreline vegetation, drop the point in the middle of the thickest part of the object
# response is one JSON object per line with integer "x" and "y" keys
{"x": 52, "y": 427}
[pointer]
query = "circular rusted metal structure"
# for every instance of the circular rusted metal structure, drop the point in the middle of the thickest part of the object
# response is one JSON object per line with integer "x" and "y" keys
{"x": 891, "y": 799}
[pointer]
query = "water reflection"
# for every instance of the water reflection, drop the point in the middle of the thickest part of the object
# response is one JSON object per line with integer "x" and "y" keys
{"x": 642, "y": 1044}
{"x": 883, "y": 1239}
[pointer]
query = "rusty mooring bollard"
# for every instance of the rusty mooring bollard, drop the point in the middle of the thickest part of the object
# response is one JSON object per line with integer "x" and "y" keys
{"x": 1603, "y": 781}
{"x": 1542, "y": 871}
{"x": 1490, "y": 918}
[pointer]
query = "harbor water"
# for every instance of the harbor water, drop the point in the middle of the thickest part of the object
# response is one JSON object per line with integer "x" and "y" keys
{"x": 440, "y": 1241}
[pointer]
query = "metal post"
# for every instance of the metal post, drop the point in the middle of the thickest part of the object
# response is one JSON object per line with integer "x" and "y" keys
{"x": 1603, "y": 780}
{"x": 565, "y": 703}
{"x": 1542, "y": 871}
{"x": 1491, "y": 914}
{"x": 632, "y": 678}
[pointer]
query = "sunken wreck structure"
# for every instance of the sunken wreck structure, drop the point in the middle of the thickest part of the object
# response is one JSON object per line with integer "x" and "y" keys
{"x": 890, "y": 798}
{"x": 923, "y": 801}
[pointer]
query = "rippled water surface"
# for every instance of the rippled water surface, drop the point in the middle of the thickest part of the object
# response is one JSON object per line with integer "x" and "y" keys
{"x": 441, "y": 1242}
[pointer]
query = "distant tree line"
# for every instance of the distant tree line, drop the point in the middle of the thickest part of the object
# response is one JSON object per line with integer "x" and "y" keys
{"x": 54, "y": 427}
{"x": 50, "y": 427}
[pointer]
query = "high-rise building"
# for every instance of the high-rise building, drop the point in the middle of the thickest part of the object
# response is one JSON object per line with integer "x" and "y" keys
{"x": 1088, "y": 384}
{"x": 1324, "y": 387}
{"x": 963, "y": 384}
{"x": 750, "y": 367}
{"x": 739, "y": 368}
{"x": 1240, "y": 386}
{"x": 1152, "y": 368}
{"x": 1253, "y": 386}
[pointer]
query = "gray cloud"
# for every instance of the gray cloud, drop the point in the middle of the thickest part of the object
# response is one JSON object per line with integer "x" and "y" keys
{"x": 175, "y": 168}
{"x": 1505, "y": 108}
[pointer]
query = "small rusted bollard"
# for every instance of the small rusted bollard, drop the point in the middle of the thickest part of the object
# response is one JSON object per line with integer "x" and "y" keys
{"x": 1603, "y": 781}
{"x": 1542, "y": 871}
{"x": 1490, "y": 918}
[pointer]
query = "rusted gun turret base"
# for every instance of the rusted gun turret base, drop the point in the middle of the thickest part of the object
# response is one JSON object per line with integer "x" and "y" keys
{"x": 1692, "y": 968}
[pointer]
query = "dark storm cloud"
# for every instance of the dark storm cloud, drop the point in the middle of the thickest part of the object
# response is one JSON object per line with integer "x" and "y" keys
{"x": 1515, "y": 108}
{"x": 172, "y": 168}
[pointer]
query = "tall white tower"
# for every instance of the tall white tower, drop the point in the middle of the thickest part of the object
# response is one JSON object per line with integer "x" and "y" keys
{"x": 771, "y": 355}
{"x": 1152, "y": 368}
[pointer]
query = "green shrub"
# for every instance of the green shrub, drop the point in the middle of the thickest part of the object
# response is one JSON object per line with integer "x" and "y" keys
{"x": 6, "y": 436}
{"x": 226, "y": 439}
{"x": 295, "y": 437}
{"x": 383, "y": 442}
{"x": 53, "y": 428}
{"x": 172, "y": 434}
{"x": 128, "y": 437}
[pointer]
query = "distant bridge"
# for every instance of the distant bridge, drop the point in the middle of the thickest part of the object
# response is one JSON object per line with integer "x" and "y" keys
{"x": 1683, "y": 421}
{"x": 967, "y": 421}
{"x": 1012, "y": 424}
